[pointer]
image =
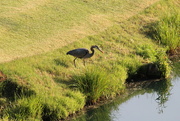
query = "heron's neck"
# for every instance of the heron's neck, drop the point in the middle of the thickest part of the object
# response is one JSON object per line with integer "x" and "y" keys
{"x": 92, "y": 49}
{"x": 91, "y": 54}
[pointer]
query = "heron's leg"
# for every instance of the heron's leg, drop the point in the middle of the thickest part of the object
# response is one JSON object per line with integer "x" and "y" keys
{"x": 84, "y": 62}
{"x": 74, "y": 62}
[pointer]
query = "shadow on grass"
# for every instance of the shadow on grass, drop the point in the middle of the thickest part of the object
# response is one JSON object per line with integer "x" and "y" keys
{"x": 146, "y": 72}
{"x": 149, "y": 30}
{"x": 12, "y": 90}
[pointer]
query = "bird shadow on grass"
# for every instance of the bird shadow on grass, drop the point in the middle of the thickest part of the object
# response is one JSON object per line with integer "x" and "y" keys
{"x": 60, "y": 62}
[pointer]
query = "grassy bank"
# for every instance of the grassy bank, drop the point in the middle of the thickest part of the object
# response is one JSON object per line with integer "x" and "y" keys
{"x": 166, "y": 29}
{"x": 46, "y": 86}
{"x": 53, "y": 24}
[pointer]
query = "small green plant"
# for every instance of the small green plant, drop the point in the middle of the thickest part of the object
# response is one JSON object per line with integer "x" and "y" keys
{"x": 167, "y": 30}
{"x": 93, "y": 83}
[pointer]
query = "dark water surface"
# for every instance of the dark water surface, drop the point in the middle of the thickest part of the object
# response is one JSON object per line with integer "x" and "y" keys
{"x": 160, "y": 101}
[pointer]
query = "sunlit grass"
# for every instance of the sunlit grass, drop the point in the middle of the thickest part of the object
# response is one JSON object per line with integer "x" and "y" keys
{"x": 51, "y": 75}
{"x": 167, "y": 29}
{"x": 25, "y": 109}
{"x": 53, "y": 24}
{"x": 147, "y": 52}
{"x": 158, "y": 57}
{"x": 93, "y": 83}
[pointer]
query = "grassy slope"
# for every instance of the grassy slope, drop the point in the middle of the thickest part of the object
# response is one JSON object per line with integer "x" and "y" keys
{"x": 37, "y": 26}
{"x": 49, "y": 75}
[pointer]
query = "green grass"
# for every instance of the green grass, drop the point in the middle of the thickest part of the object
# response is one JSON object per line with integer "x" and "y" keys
{"x": 147, "y": 52}
{"x": 46, "y": 81}
{"x": 156, "y": 56}
{"x": 27, "y": 24}
{"x": 93, "y": 83}
{"x": 25, "y": 109}
{"x": 164, "y": 28}
{"x": 167, "y": 29}
{"x": 97, "y": 83}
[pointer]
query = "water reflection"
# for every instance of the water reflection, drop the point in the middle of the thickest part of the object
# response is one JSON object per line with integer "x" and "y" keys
{"x": 162, "y": 89}
{"x": 104, "y": 113}
{"x": 156, "y": 100}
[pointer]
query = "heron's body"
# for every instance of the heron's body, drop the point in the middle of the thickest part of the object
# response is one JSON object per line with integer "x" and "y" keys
{"x": 79, "y": 53}
{"x": 82, "y": 53}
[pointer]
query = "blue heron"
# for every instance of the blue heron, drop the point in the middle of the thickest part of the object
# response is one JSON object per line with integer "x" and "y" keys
{"x": 82, "y": 53}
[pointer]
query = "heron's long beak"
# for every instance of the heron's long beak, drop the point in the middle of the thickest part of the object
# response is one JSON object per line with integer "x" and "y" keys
{"x": 100, "y": 50}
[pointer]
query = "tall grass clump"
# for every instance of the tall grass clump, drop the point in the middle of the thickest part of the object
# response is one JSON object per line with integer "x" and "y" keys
{"x": 156, "y": 57}
{"x": 24, "y": 109}
{"x": 93, "y": 83}
{"x": 167, "y": 30}
{"x": 147, "y": 52}
{"x": 43, "y": 108}
{"x": 56, "y": 108}
{"x": 163, "y": 63}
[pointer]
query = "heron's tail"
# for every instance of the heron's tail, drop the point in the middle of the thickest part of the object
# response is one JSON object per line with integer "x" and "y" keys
{"x": 67, "y": 53}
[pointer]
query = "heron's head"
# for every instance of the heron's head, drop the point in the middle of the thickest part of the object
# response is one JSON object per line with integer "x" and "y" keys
{"x": 95, "y": 46}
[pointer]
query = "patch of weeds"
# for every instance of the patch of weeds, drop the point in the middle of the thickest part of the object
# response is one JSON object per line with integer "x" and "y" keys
{"x": 53, "y": 111}
{"x": 147, "y": 52}
{"x": 159, "y": 61}
{"x": 167, "y": 30}
{"x": 93, "y": 83}
{"x": 159, "y": 68}
{"x": 56, "y": 108}
{"x": 163, "y": 63}
{"x": 24, "y": 109}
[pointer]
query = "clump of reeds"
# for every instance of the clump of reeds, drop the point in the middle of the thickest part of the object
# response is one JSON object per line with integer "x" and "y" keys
{"x": 24, "y": 109}
{"x": 163, "y": 63}
{"x": 43, "y": 108}
{"x": 156, "y": 56}
{"x": 147, "y": 52}
{"x": 93, "y": 83}
{"x": 167, "y": 30}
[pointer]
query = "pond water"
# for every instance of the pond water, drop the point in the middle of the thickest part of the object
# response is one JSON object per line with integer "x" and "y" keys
{"x": 159, "y": 101}
{"x": 148, "y": 107}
